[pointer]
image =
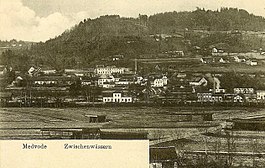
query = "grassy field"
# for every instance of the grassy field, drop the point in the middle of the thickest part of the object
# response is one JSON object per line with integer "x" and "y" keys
{"x": 162, "y": 127}
{"x": 125, "y": 118}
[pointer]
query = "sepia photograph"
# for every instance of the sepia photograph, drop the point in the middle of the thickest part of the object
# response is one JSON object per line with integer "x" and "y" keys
{"x": 186, "y": 76}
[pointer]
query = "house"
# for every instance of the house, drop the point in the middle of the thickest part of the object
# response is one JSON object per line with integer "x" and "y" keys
{"x": 207, "y": 60}
{"x": 48, "y": 71}
{"x": 240, "y": 59}
{"x": 244, "y": 90}
{"x": 260, "y": 95}
{"x": 252, "y": 62}
{"x": 219, "y": 49}
{"x": 228, "y": 98}
{"x": 221, "y": 60}
{"x": 108, "y": 85}
{"x": 181, "y": 75}
{"x": 211, "y": 60}
{"x": 249, "y": 124}
{"x": 252, "y": 97}
{"x": 159, "y": 81}
{"x": 104, "y": 78}
{"x": 247, "y": 94}
{"x": 125, "y": 79}
{"x": 122, "y": 82}
{"x": 117, "y": 57}
{"x": 193, "y": 116}
{"x": 33, "y": 70}
{"x": 117, "y": 97}
{"x": 164, "y": 157}
{"x": 139, "y": 80}
{"x": 198, "y": 81}
{"x": 179, "y": 93}
{"x": 214, "y": 50}
{"x": 238, "y": 99}
{"x": 175, "y": 53}
{"x": 97, "y": 118}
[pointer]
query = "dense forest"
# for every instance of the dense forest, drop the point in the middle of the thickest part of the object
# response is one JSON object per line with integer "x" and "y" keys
{"x": 93, "y": 40}
{"x": 220, "y": 20}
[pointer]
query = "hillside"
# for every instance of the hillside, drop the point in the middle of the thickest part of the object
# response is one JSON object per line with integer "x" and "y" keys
{"x": 224, "y": 19}
{"x": 14, "y": 45}
{"x": 91, "y": 41}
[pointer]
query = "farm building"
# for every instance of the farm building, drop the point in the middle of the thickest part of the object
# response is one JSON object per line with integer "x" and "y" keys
{"x": 193, "y": 117}
{"x": 251, "y": 124}
{"x": 123, "y": 135}
{"x": 96, "y": 118}
{"x": 164, "y": 157}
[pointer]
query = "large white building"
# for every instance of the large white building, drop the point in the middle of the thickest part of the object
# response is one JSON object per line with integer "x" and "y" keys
{"x": 111, "y": 70}
{"x": 209, "y": 97}
{"x": 117, "y": 97}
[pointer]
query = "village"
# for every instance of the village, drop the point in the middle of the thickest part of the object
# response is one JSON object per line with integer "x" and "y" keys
{"x": 112, "y": 84}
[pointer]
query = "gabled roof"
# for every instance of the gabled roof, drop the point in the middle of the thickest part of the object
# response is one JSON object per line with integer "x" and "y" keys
{"x": 162, "y": 154}
{"x": 222, "y": 46}
{"x": 197, "y": 79}
{"x": 241, "y": 57}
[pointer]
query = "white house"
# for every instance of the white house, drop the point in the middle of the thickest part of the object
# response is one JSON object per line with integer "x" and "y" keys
{"x": 251, "y": 63}
{"x": 260, "y": 95}
{"x": 243, "y": 90}
{"x": 238, "y": 99}
{"x": 209, "y": 97}
{"x": 159, "y": 82}
{"x": 214, "y": 50}
{"x": 239, "y": 58}
{"x": 222, "y": 60}
{"x": 117, "y": 98}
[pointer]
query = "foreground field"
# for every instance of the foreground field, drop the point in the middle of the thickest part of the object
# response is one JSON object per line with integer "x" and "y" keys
{"x": 19, "y": 122}
{"x": 160, "y": 123}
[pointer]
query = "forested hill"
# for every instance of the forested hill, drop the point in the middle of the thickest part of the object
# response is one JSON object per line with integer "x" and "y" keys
{"x": 94, "y": 39}
{"x": 220, "y": 20}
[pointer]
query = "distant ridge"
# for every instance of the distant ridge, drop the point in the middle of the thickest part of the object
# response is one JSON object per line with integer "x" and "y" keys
{"x": 94, "y": 39}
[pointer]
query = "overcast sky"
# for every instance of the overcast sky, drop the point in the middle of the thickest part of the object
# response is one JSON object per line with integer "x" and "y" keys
{"x": 39, "y": 20}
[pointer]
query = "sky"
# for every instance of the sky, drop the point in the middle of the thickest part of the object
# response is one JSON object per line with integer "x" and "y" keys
{"x": 40, "y": 20}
